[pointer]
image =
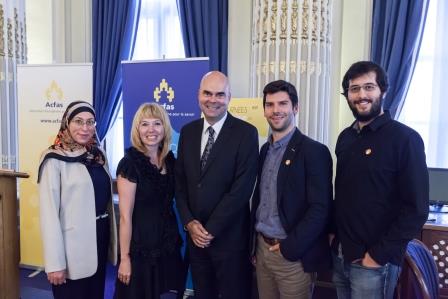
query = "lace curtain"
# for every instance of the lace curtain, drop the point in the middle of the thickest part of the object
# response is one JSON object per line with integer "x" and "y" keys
{"x": 13, "y": 51}
{"x": 291, "y": 41}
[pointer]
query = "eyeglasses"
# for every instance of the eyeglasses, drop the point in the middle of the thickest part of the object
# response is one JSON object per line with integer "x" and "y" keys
{"x": 369, "y": 87}
{"x": 80, "y": 122}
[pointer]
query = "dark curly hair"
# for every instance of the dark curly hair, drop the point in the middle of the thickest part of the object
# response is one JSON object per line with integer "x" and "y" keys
{"x": 363, "y": 67}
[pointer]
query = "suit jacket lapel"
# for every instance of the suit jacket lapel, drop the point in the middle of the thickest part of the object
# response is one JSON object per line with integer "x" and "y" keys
{"x": 287, "y": 161}
{"x": 263, "y": 152}
{"x": 196, "y": 142}
{"x": 223, "y": 137}
{"x": 262, "y": 158}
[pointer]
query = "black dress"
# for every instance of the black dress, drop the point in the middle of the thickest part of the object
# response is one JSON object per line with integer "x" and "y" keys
{"x": 156, "y": 261}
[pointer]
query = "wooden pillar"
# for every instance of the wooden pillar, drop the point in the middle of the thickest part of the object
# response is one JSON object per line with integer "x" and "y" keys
{"x": 9, "y": 235}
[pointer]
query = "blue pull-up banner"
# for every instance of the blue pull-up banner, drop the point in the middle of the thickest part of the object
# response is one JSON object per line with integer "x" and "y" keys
{"x": 174, "y": 84}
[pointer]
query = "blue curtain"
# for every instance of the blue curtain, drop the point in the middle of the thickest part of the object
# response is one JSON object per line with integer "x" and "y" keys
{"x": 113, "y": 31}
{"x": 205, "y": 30}
{"x": 397, "y": 29}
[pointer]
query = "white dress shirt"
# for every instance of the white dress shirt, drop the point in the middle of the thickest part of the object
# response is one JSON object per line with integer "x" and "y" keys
{"x": 217, "y": 127}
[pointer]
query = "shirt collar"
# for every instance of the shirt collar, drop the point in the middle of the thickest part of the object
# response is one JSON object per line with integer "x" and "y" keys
{"x": 282, "y": 141}
{"x": 217, "y": 126}
{"x": 377, "y": 123}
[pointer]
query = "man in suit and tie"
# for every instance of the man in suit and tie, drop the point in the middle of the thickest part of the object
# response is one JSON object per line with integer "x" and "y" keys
{"x": 291, "y": 203}
{"x": 215, "y": 175}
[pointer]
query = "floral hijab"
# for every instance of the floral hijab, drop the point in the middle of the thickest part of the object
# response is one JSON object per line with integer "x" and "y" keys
{"x": 64, "y": 141}
{"x": 65, "y": 148}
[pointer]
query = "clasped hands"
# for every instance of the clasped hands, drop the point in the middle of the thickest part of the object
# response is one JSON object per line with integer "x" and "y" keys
{"x": 199, "y": 235}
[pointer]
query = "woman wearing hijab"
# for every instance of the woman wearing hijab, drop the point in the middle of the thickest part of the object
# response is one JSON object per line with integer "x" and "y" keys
{"x": 76, "y": 208}
{"x": 151, "y": 263}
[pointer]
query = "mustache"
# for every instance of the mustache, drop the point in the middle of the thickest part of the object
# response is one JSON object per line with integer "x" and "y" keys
{"x": 362, "y": 100}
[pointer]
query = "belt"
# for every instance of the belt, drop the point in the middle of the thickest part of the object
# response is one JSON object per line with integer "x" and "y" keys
{"x": 270, "y": 241}
{"x": 102, "y": 216}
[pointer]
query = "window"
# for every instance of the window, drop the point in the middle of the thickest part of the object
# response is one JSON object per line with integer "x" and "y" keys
{"x": 426, "y": 105}
{"x": 159, "y": 36}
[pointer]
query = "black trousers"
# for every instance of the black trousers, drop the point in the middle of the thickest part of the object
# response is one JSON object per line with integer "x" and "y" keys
{"x": 90, "y": 287}
{"x": 220, "y": 274}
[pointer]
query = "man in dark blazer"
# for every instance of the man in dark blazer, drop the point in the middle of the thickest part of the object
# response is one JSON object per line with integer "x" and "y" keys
{"x": 215, "y": 176}
{"x": 291, "y": 203}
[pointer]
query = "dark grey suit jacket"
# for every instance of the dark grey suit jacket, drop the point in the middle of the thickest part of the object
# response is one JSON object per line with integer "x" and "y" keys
{"x": 218, "y": 196}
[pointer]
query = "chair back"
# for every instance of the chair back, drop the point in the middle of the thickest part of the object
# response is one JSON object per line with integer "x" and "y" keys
{"x": 424, "y": 269}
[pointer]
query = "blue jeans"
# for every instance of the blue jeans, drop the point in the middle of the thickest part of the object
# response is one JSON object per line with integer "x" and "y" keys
{"x": 353, "y": 281}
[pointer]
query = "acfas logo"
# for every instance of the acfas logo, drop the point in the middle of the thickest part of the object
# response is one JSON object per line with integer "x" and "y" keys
{"x": 168, "y": 91}
{"x": 54, "y": 96}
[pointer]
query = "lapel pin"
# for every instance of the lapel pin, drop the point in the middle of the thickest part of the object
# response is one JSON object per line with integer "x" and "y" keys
{"x": 368, "y": 151}
{"x": 287, "y": 162}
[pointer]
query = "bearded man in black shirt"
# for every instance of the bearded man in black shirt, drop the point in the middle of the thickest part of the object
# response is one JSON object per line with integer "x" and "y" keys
{"x": 381, "y": 190}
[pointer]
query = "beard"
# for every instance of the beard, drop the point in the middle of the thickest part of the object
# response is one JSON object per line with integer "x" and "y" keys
{"x": 374, "y": 111}
{"x": 282, "y": 127}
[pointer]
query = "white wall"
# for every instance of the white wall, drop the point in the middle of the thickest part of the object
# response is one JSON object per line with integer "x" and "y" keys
{"x": 78, "y": 30}
{"x": 239, "y": 38}
{"x": 59, "y": 31}
{"x": 38, "y": 29}
{"x": 351, "y": 43}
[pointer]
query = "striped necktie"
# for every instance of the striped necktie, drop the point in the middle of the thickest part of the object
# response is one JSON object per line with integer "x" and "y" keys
{"x": 208, "y": 146}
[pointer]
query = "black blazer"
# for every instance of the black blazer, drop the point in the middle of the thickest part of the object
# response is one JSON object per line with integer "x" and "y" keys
{"x": 304, "y": 198}
{"x": 219, "y": 196}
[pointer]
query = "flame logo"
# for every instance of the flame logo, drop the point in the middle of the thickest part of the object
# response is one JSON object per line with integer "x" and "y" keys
{"x": 54, "y": 92}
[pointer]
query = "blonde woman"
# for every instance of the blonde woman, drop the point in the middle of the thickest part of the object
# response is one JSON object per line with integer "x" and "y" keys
{"x": 151, "y": 262}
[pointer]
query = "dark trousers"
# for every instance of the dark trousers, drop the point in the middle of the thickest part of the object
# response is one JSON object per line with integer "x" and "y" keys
{"x": 90, "y": 287}
{"x": 220, "y": 274}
